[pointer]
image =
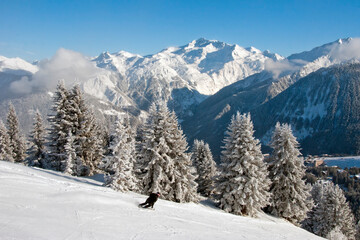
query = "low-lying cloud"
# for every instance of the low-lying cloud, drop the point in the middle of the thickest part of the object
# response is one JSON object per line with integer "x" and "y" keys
{"x": 65, "y": 65}
{"x": 348, "y": 50}
{"x": 283, "y": 66}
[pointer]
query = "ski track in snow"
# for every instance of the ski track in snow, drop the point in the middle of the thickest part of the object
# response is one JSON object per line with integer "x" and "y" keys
{"x": 42, "y": 204}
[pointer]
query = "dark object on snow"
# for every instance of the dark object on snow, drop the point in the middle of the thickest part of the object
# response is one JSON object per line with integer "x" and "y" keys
{"x": 150, "y": 201}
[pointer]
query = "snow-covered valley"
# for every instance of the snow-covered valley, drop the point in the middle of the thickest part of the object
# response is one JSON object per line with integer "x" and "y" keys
{"x": 42, "y": 204}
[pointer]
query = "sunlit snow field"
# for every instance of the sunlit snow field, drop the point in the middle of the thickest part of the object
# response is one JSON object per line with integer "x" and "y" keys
{"x": 41, "y": 204}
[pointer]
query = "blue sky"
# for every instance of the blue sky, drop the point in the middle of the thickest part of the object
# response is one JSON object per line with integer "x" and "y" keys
{"x": 36, "y": 29}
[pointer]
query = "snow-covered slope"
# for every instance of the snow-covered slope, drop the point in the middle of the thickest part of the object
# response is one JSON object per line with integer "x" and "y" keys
{"x": 327, "y": 49}
{"x": 289, "y": 70}
{"x": 16, "y": 66}
{"x": 41, "y": 204}
{"x": 339, "y": 51}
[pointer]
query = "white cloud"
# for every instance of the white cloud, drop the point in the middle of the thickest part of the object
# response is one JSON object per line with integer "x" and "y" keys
{"x": 22, "y": 86}
{"x": 65, "y": 65}
{"x": 348, "y": 50}
{"x": 279, "y": 67}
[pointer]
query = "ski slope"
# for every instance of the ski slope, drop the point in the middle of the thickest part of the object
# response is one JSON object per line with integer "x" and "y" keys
{"x": 42, "y": 204}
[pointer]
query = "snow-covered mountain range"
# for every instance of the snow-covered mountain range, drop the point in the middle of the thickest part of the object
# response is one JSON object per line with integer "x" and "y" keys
{"x": 202, "y": 65}
{"x": 252, "y": 93}
{"x": 184, "y": 75}
{"x": 204, "y": 81}
{"x": 42, "y": 204}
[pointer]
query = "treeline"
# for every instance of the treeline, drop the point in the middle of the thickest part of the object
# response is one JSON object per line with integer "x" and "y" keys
{"x": 155, "y": 158}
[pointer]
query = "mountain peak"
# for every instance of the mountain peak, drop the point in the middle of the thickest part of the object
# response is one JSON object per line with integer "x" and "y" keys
{"x": 104, "y": 55}
{"x": 126, "y": 54}
{"x": 344, "y": 40}
{"x": 253, "y": 50}
{"x": 203, "y": 42}
{"x": 329, "y": 49}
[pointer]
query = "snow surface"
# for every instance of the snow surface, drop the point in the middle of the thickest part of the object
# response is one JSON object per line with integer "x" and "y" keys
{"x": 42, "y": 204}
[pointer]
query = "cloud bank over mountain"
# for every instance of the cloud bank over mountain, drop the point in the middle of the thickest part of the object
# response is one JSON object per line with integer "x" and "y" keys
{"x": 68, "y": 65}
{"x": 279, "y": 67}
{"x": 348, "y": 50}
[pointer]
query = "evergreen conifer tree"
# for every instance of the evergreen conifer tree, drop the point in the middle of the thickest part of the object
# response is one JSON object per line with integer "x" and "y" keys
{"x": 94, "y": 144}
{"x": 86, "y": 134}
{"x": 317, "y": 192}
{"x": 336, "y": 234}
{"x": 164, "y": 163}
{"x": 37, "y": 151}
{"x": 61, "y": 124}
{"x": 357, "y": 228}
{"x": 243, "y": 184}
{"x": 6, "y": 152}
{"x": 122, "y": 158}
{"x": 290, "y": 195}
{"x": 72, "y": 115}
{"x": 333, "y": 212}
{"x": 205, "y": 166}
{"x": 17, "y": 142}
{"x": 185, "y": 187}
{"x": 70, "y": 155}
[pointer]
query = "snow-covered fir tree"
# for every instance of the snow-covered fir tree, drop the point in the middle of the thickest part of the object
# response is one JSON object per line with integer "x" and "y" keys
{"x": 86, "y": 132}
{"x": 243, "y": 182}
{"x": 37, "y": 151}
{"x": 185, "y": 187}
{"x": 122, "y": 158}
{"x": 72, "y": 114}
{"x": 94, "y": 144}
{"x": 333, "y": 212}
{"x": 17, "y": 142}
{"x": 70, "y": 155}
{"x": 317, "y": 192}
{"x": 60, "y": 125}
{"x": 336, "y": 234}
{"x": 205, "y": 166}
{"x": 164, "y": 163}
{"x": 290, "y": 195}
{"x": 357, "y": 228}
{"x": 6, "y": 152}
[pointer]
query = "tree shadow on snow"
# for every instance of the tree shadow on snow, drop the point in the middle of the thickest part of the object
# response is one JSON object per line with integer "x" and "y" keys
{"x": 97, "y": 177}
{"x": 210, "y": 203}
